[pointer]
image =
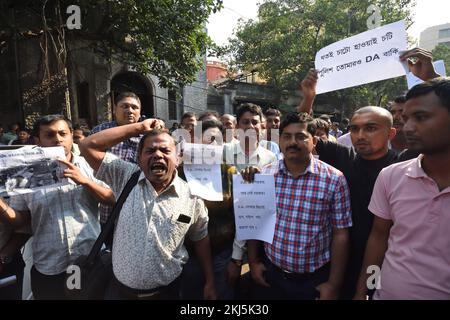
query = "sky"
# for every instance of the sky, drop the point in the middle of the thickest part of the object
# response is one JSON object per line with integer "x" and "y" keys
{"x": 221, "y": 25}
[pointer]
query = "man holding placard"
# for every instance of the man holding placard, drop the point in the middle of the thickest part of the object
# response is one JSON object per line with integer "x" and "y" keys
{"x": 308, "y": 254}
{"x": 221, "y": 227}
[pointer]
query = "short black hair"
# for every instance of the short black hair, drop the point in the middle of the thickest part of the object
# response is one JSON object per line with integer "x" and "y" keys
{"x": 124, "y": 95}
{"x": 322, "y": 125}
{"x": 249, "y": 107}
{"x": 272, "y": 112}
{"x": 153, "y": 133}
{"x": 207, "y": 114}
{"x": 400, "y": 99}
{"x": 49, "y": 119}
{"x": 294, "y": 117}
{"x": 84, "y": 129}
{"x": 208, "y": 124}
{"x": 440, "y": 86}
{"x": 188, "y": 114}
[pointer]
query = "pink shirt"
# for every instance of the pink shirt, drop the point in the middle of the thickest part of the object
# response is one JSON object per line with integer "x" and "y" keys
{"x": 417, "y": 261}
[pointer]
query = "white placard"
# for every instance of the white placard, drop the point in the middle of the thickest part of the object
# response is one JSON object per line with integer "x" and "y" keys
{"x": 204, "y": 181}
{"x": 412, "y": 80}
{"x": 254, "y": 208}
{"x": 364, "y": 58}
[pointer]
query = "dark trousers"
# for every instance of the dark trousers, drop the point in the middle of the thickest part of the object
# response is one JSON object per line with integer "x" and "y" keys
{"x": 290, "y": 286}
{"x": 193, "y": 278}
{"x": 15, "y": 268}
{"x": 46, "y": 287}
{"x": 118, "y": 291}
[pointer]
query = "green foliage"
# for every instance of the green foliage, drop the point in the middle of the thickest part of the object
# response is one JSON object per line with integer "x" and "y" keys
{"x": 166, "y": 38}
{"x": 281, "y": 45}
{"x": 442, "y": 52}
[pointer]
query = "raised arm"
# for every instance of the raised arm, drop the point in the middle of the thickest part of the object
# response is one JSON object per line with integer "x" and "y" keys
{"x": 308, "y": 88}
{"x": 420, "y": 63}
{"x": 93, "y": 148}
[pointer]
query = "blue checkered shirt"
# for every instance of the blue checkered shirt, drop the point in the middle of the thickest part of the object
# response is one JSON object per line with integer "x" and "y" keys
{"x": 126, "y": 150}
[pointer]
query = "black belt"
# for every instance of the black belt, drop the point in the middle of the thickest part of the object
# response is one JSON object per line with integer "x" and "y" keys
{"x": 301, "y": 276}
{"x": 141, "y": 294}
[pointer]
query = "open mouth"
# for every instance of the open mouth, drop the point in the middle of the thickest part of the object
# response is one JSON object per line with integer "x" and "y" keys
{"x": 158, "y": 168}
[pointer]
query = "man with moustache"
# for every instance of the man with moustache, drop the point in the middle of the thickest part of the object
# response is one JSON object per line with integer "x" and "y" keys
{"x": 307, "y": 257}
{"x": 409, "y": 238}
{"x": 148, "y": 247}
{"x": 371, "y": 129}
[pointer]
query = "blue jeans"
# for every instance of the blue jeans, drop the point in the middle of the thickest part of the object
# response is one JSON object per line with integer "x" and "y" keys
{"x": 193, "y": 279}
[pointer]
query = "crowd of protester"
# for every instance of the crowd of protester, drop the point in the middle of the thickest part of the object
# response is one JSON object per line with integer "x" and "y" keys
{"x": 373, "y": 190}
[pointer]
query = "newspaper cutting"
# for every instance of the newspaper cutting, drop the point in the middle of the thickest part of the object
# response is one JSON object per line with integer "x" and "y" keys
{"x": 29, "y": 168}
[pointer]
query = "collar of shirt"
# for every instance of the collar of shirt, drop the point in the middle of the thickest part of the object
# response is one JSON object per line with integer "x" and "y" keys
{"x": 311, "y": 168}
{"x": 415, "y": 169}
{"x": 173, "y": 187}
{"x": 255, "y": 154}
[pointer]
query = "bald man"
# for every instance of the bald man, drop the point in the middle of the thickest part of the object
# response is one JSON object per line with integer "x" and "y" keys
{"x": 229, "y": 123}
{"x": 371, "y": 128}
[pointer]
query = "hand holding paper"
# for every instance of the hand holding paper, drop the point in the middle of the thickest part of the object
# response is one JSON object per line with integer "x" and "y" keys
{"x": 420, "y": 63}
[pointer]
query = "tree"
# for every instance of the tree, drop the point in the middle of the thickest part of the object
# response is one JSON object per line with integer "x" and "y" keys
{"x": 163, "y": 37}
{"x": 442, "y": 52}
{"x": 281, "y": 45}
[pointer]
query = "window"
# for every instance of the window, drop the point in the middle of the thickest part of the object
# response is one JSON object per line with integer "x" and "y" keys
{"x": 444, "y": 33}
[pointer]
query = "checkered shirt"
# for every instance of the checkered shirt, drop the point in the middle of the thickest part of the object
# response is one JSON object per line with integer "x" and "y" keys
{"x": 126, "y": 150}
{"x": 308, "y": 207}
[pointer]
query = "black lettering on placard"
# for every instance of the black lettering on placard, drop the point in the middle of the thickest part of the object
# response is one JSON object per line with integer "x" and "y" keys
{"x": 369, "y": 58}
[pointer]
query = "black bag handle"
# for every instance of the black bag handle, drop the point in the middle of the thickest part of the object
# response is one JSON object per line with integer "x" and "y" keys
{"x": 109, "y": 225}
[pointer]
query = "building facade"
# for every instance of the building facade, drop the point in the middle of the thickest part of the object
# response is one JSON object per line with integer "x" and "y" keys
{"x": 431, "y": 37}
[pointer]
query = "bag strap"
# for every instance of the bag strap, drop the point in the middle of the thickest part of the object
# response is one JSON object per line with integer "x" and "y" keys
{"x": 109, "y": 225}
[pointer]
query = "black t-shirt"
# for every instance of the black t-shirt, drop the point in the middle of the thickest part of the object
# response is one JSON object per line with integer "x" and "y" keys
{"x": 361, "y": 176}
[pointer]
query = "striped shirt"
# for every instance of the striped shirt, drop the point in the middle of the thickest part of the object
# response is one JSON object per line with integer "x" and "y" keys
{"x": 308, "y": 207}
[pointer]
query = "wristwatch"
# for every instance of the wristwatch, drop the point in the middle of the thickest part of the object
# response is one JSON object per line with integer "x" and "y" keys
{"x": 5, "y": 259}
{"x": 237, "y": 262}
